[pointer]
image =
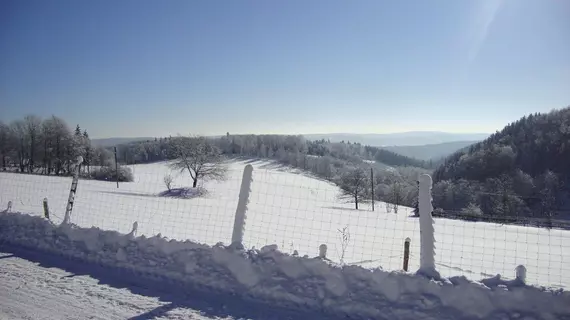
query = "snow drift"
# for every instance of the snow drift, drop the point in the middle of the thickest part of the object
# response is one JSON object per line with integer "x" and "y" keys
{"x": 280, "y": 279}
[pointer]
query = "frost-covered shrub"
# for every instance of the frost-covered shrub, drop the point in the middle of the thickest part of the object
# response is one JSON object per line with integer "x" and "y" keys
{"x": 437, "y": 212}
{"x": 108, "y": 173}
{"x": 472, "y": 210}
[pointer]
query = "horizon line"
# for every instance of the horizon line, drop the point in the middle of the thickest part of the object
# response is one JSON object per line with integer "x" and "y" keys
{"x": 295, "y": 134}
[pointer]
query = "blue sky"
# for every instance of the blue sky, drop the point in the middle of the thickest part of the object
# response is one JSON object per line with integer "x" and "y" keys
{"x": 154, "y": 68}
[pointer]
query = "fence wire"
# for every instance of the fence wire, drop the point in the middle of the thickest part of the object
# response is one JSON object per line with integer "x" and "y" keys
{"x": 298, "y": 213}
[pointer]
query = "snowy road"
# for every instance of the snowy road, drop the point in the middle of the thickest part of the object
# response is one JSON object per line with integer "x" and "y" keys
{"x": 37, "y": 286}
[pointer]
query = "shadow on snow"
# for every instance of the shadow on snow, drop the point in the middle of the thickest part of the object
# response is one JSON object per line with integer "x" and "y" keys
{"x": 209, "y": 305}
{"x": 178, "y": 193}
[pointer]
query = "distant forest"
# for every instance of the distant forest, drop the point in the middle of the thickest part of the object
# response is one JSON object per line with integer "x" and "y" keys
{"x": 395, "y": 175}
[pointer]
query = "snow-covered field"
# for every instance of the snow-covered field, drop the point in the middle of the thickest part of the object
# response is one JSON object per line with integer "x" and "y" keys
{"x": 296, "y": 212}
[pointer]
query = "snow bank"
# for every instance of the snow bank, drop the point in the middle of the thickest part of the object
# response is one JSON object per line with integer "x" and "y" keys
{"x": 279, "y": 279}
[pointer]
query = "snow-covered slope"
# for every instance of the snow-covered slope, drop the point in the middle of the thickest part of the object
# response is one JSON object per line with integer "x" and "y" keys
{"x": 296, "y": 212}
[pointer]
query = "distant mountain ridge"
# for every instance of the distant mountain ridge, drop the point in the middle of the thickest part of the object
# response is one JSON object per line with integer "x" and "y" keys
{"x": 431, "y": 151}
{"x": 412, "y": 138}
{"x": 109, "y": 142}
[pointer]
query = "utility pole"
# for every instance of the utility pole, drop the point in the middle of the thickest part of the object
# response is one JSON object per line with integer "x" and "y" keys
{"x": 372, "y": 183}
{"x": 116, "y": 167}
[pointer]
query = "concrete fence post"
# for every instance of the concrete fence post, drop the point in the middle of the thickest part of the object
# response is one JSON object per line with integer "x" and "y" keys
{"x": 521, "y": 273}
{"x": 427, "y": 232}
{"x": 245, "y": 190}
{"x": 323, "y": 251}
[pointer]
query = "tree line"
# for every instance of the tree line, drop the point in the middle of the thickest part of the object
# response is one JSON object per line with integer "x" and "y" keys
{"x": 394, "y": 176}
{"x": 47, "y": 146}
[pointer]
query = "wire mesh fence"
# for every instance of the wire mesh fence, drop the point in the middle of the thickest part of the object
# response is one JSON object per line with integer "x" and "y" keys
{"x": 298, "y": 213}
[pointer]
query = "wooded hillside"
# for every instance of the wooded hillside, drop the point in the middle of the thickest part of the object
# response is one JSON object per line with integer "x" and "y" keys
{"x": 522, "y": 170}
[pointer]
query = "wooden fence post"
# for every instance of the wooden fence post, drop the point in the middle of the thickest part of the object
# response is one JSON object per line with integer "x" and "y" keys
{"x": 71, "y": 199}
{"x": 46, "y": 208}
{"x": 406, "y": 253}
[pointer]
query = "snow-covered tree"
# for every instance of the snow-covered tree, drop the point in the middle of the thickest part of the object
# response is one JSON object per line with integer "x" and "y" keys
{"x": 354, "y": 184}
{"x": 201, "y": 158}
{"x": 57, "y": 136}
{"x": 396, "y": 195}
{"x": 18, "y": 132}
{"x": 87, "y": 159}
{"x": 6, "y": 145}
{"x": 32, "y": 125}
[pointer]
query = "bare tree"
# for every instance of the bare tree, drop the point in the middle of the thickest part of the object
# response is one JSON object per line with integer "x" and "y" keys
{"x": 47, "y": 133}
{"x": 88, "y": 151}
{"x": 548, "y": 185}
{"x": 354, "y": 184}
{"x": 33, "y": 125}
{"x": 168, "y": 179}
{"x": 396, "y": 195}
{"x": 197, "y": 155}
{"x": 18, "y": 132}
{"x": 59, "y": 136}
{"x": 102, "y": 156}
{"x": 5, "y": 143}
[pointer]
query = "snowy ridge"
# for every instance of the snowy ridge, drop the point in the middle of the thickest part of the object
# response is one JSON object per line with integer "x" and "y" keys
{"x": 300, "y": 283}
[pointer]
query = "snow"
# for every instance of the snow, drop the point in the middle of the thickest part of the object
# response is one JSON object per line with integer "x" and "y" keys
{"x": 36, "y": 285}
{"x": 32, "y": 292}
{"x": 268, "y": 275}
{"x": 296, "y": 212}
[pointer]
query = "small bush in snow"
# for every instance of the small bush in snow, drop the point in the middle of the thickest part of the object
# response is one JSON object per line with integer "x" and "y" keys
{"x": 184, "y": 193}
{"x": 108, "y": 173}
{"x": 168, "y": 179}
